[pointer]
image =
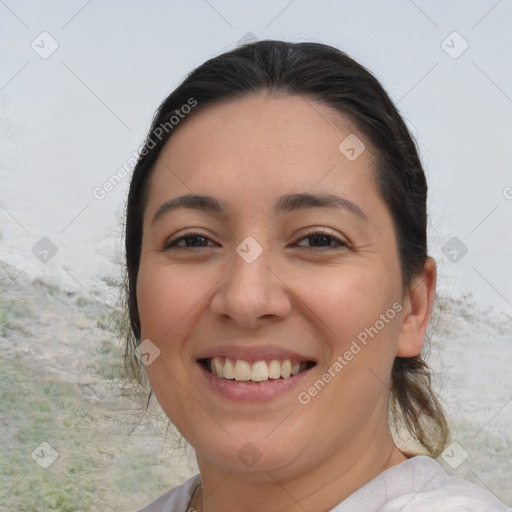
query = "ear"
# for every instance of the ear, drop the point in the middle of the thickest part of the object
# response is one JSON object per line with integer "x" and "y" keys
{"x": 418, "y": 303}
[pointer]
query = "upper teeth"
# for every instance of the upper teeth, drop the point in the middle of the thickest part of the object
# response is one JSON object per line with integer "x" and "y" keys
{"x": 239, "y": 369}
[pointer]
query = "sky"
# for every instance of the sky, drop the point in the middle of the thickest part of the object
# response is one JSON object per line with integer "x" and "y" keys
{"x": 80, "y": 81}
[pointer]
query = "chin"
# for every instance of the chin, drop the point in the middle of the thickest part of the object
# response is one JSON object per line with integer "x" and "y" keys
{"x": 251, "y": 454}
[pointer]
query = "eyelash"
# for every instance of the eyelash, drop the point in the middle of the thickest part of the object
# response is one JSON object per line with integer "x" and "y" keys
{"x": 311, "y": 234}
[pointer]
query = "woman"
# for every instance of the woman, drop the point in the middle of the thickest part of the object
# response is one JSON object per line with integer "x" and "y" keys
{"x": 279, "y": 289}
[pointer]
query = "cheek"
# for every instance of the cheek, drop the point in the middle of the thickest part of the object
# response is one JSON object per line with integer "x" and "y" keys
{"x": 347, "y": 301}
{"x": 166, "y": 296}
{"x": 359, "y": 319}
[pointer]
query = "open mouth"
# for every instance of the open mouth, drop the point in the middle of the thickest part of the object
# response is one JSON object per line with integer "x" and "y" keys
{"x": 258, "y": 371}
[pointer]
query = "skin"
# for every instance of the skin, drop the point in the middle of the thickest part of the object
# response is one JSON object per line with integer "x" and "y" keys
{"x": 297, "y": 294}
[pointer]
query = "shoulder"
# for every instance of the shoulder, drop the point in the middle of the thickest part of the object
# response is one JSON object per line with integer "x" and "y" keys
{"x": 421, "y": 484}
{"x": 436, "y": 489}
{"x": 175, "y": 500}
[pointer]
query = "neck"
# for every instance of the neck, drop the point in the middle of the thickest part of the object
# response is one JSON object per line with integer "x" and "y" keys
{"x": 318, "y": 488}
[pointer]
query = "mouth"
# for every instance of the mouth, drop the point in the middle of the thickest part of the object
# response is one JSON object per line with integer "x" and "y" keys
{"x": 254, "y": 372}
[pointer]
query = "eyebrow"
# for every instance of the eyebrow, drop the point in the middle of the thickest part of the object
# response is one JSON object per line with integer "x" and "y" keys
{"x": 285, "y": 204}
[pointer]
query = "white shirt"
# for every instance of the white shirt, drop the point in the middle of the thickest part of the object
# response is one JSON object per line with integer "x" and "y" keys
{"x": 419, "y": 484}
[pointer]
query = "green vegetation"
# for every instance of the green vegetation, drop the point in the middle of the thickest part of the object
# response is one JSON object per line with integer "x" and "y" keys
{"x": 110, "y": 456}
{"x": 99, "y": 467}
{"x": 9, "y": 311}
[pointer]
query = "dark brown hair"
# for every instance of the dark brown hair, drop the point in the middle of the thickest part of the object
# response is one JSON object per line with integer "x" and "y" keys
{"x": 326, "y": 74}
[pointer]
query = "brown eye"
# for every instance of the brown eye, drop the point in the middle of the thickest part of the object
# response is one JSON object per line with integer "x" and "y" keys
{"x": 323, "y": 239}
{"x": 191, "y": 240}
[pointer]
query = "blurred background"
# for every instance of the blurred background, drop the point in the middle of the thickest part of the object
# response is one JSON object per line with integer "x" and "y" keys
{"x": 79, "y": 83}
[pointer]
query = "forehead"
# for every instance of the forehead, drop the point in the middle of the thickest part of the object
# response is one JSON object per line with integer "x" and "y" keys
{"x": 260, "y": 145}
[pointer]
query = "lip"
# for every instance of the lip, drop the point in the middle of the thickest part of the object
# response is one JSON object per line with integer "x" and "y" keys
{"x": 254, "y": 392}
{"x": 253, "y": 354}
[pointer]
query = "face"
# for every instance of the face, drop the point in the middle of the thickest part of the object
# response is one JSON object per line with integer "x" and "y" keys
{"x": 259, "y": 280}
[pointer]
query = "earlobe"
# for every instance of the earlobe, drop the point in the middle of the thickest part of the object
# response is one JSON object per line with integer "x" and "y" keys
{"x": 418, "y": 303}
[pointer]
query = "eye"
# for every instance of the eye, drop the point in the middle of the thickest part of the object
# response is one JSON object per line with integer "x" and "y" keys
{"x": 323, "y": 238}
{"x": 196, "y": 240}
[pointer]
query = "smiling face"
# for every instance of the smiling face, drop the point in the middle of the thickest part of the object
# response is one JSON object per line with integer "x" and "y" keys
{"x": 270, "y": 280}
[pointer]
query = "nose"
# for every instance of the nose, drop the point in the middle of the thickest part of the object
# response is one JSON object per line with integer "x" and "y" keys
{"x": 251, "y": 293}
